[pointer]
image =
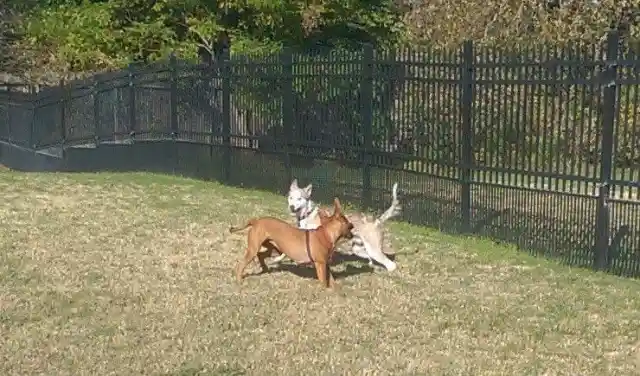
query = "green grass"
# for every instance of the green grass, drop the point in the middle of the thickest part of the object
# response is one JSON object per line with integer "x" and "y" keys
{"x": 132, "y": 274}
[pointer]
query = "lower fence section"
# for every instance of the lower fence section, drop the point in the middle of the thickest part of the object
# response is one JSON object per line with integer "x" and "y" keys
{"x": 624, "y": 252}
{"x": 24, "y": 159}
{"x": 550, "y": 224}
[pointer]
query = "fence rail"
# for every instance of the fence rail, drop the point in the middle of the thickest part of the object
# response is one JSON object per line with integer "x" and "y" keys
{"x": 539, "y": 147}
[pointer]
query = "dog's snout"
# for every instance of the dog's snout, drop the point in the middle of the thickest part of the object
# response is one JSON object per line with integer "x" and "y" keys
{"x": 292, "y": 208}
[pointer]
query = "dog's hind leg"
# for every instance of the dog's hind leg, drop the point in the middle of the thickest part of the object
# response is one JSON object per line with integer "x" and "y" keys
{"x": 253, "y": 247}
{"x": 359, "y": 249}
{"x": 242, "y": 264}
{"x": 377, "y": 255}
{"x": 261, "y": 257}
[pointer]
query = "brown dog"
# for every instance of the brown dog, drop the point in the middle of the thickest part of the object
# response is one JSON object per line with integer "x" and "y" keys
{"x": 302, "y": 246}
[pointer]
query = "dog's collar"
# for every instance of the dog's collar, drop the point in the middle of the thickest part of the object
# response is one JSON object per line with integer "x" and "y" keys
{"x": 328, "y": 244}
{"x": 308, "y": 246}
{"x": 324, "y": 241}
{"x": 304, "y": 213}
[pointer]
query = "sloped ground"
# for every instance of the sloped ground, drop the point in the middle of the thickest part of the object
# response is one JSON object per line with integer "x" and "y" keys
{"x": 132, "y": 274}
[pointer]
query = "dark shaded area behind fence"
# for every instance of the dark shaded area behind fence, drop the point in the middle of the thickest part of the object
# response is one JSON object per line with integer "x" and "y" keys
{"x": 536, "y": 147}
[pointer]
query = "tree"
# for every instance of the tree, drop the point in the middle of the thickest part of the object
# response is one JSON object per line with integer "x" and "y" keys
{"x": 517, "y": 23}
{"x": 8, "y": 17}
{"x": 75, "y": 36}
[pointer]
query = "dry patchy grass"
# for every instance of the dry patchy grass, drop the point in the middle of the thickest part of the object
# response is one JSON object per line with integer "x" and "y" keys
{"x": 131, "y": 274}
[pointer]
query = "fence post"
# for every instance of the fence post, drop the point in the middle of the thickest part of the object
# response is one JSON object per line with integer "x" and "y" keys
{"x": 609, "y": 104}
{"x": 34, "y": 107}
{"x": 366, "y": 113}
{"x": 212, "y": 76}
{"x": 63, "y": 115}
{"x": 10, "y": 122}
{"x": 96, "y": 110}
{"x": 226, "y": 114}
{"x": 173, "y": 101}
{"x": 466, "y": 146}
{"x": 133, "y": 126}
{"x": 286, "y": 59}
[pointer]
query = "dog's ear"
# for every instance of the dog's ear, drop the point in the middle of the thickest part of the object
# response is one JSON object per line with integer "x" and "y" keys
{"x": 307, "y": 190}
{"x": 337, "y": 208}
{"x": 294, "y": 184}
{"x": 323, "y": 214}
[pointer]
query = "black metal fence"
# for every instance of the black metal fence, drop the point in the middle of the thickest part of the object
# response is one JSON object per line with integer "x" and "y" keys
{"x": 538, "y": 147}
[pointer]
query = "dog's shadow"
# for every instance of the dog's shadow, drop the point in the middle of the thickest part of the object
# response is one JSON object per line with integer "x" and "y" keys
{"x": 310, "y": 272}
{"x": 339, "y": 258}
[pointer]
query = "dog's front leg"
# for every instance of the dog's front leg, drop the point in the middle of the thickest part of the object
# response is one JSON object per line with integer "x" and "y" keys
{"x": 273, "y": 249}
{"x": 332, "y": 282}
{"x": 321, "y": 272}
{"x": 324, "y": 274}
{"x": 279, "y": 258}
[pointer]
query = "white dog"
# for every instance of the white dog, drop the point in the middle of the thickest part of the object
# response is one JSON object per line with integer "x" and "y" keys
{"x": 368, "y": 239}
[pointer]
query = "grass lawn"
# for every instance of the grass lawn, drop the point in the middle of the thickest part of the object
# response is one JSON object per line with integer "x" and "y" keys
{"x": 129, "y": 274}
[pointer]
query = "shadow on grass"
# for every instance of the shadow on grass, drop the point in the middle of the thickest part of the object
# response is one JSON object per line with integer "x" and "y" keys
{"x": 339, "y": 258}
{"x": 309, "y": 272}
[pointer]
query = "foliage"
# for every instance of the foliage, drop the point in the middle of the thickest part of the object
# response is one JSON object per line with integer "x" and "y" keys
{"x": 8, "y": 16}
{"x": 76, "y": 36}
{"x": 494, "y": 22}
{"x": 76, "y": 45}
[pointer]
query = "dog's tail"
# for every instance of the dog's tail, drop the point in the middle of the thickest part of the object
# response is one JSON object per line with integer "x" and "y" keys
{"x": 250, "y": 223}
{"x": 394, "y": 210}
